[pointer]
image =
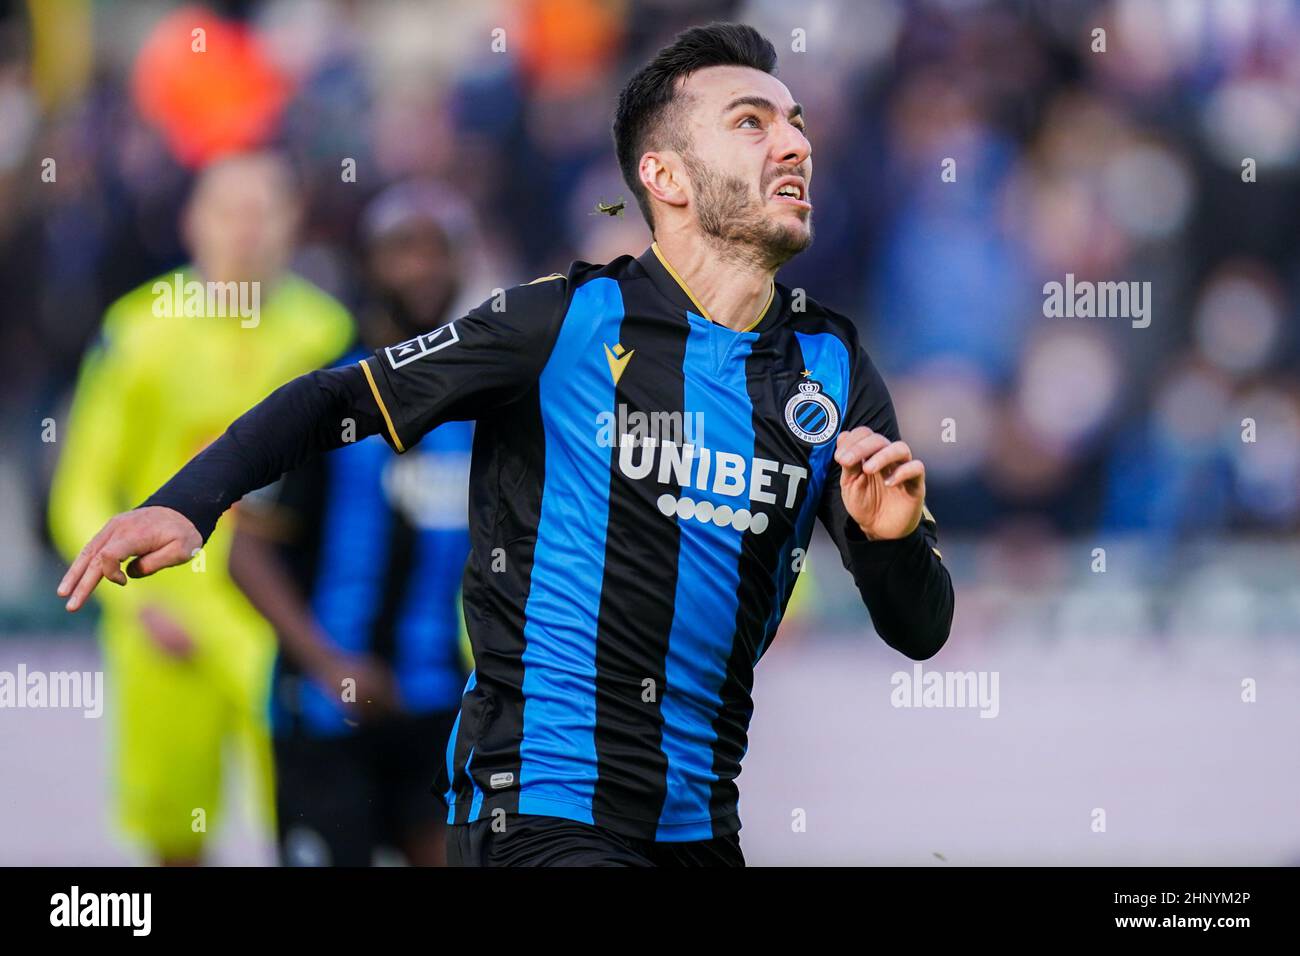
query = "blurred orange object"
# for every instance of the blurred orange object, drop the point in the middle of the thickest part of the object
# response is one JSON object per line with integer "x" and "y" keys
{"x": 207, "y": 84}
{"x": 567, "y": 44}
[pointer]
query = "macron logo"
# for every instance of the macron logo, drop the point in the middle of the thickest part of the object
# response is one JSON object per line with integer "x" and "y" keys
{"x": 102, "y": 909}
{"x": 618, "y": 358}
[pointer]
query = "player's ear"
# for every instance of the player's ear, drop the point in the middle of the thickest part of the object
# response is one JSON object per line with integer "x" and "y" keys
{"x": 663, "y": 177}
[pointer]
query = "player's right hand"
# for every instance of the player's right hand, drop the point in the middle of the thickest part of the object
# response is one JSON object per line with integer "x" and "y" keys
{"x": 155, "y": 537}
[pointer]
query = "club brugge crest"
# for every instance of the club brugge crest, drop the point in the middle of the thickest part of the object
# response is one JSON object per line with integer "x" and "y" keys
{"x": 811, "y": 414}
{"x": 422, "y": 345}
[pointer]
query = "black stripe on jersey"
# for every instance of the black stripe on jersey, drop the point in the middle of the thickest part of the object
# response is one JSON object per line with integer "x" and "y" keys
{"x": 494, "y": 600}
{"x": 638, "y": 590}
{"x": 759, "y": 555}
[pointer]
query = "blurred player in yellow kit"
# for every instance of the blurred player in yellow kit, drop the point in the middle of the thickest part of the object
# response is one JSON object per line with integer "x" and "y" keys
{"x": 187, "y": 658}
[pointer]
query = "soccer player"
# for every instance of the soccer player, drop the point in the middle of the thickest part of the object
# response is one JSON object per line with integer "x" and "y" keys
{"x": 355, "y": 558}
{"x": 187, "y": 657}
{"x": 654, "y": 439}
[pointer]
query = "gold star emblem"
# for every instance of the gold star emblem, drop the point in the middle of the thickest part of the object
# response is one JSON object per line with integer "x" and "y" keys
{"x": 806, "y": 374}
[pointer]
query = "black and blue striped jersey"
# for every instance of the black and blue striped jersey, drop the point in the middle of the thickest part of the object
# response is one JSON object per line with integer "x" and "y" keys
{"x": 643, "y": 488}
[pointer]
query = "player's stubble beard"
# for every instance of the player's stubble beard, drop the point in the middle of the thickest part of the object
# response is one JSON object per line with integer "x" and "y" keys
{"x": 736, "y": 224}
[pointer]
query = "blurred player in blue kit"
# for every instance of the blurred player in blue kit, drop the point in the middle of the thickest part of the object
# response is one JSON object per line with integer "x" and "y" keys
{"x": 355, "y": 558}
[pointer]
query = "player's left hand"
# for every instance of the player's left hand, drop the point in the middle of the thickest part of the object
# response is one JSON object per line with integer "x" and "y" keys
{"x": 883, "y": 486}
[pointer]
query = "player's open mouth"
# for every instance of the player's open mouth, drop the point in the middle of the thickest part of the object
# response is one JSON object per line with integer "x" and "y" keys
{"x": 791, "y": 190}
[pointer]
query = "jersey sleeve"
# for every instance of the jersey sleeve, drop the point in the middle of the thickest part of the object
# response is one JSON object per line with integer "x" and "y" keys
{"x": 903, "y": 582}
{"x": 314, "y": 413}
{"x": 482, "y": 361}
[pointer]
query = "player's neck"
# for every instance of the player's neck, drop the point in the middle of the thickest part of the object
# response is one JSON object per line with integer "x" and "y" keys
{"x": 733, "y": 292}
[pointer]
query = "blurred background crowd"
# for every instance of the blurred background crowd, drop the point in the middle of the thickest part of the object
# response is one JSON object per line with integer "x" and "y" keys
{"x": 1117, "y": 165}
{"x": 1044, "y": 438}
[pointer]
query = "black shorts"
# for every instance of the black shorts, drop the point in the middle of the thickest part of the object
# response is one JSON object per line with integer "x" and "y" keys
{"x": 553, "y": 841}
{"x": 339, "y": 798}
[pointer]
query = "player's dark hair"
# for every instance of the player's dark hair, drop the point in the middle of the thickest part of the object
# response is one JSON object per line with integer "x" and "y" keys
{"x": 650, "y": 106}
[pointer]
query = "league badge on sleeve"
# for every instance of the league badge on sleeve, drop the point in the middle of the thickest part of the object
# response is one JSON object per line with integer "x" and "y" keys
{"x": 811, "y": 414}
{"x": 403, "y": 353}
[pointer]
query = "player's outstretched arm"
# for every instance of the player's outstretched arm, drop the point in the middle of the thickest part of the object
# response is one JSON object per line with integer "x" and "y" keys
{"x": 487, "y": 358}
{"x": 311, "y": 414}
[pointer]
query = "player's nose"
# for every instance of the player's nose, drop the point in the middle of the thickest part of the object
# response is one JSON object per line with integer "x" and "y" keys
{"x": 791, "y": 146}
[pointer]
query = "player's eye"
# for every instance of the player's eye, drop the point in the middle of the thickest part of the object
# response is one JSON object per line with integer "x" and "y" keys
{"x": 751, "y": 119}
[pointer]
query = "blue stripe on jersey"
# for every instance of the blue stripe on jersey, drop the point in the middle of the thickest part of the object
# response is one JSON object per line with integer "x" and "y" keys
{"x": 475, "y": 805}
{"x": 830, "y": 363}
{"x": 557, "y": 770}
{"x": 450, "y": 795}
{"x": 698, "y": 648}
